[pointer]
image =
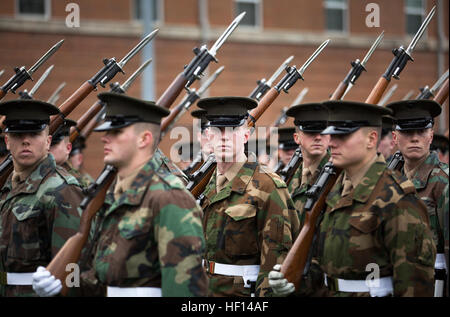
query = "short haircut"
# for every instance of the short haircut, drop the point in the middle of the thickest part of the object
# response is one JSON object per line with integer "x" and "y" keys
{"x": 155, "y": 129}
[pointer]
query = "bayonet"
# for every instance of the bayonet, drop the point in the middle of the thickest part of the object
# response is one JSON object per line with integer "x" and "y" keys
{"x": 408, "y": 95}
{"x": 264, "y": 86}
{"x": 420, "y": 32}
{"x": 22, "y": 74}
{"x": 359, "y": 66}
{"x": 427, "y": 92}
{"x": 29, "y": 95}
{"x": 137, "y": 48}
{"x": 388, "y": 95}
{"x": 209, "y": 81}
{"x": 118, "y": 88}
{"x": 226, "y": 34}
{"x": 2, "y": 71}
{"x": 112, "y": 67}
{"x": 293, "y": 74}
{"x": 55, "y": 96}
{"x": 282, "y": 118}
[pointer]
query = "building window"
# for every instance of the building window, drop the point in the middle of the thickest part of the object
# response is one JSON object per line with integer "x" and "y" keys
{"x": 157, "y": 9}
{"x": 336, "y": 15}
{"x": 414, "y": 10}
{"x": 33, "y": 8}
{"x": 253, "y": 13}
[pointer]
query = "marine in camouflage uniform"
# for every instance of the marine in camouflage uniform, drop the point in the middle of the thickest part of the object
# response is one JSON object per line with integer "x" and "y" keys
{"x": 75, "y": 161}
{"x": 61, "y": 148}
{"x": 310, "y": 120}
{"x": 249, "y": 221}
{"x": 38, "y": 202}
{"x": 373, "y": 222}
{"x": 148, "y": 238}
{"x": 414, "y": 124}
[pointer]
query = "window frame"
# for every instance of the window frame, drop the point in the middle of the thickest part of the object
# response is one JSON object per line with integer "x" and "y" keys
{"x": 416, "y": 12}
{"x": 258, "y": 14}
{"x": 34, "y": 16}
{"x": 344, "y": 6}
{"x": 159, "y": 11}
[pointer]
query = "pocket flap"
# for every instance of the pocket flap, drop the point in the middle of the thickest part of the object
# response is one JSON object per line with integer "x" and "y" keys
{"x": 25, "y": 211}
{"x": 365, "y": 222}
{"x": 241, "y": 211}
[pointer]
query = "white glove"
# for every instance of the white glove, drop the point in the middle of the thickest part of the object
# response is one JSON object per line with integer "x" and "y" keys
{"x": 279, "y": 284}
{"x": 45, "y": 284}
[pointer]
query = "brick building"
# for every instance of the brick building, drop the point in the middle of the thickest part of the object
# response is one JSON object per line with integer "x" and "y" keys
{"x": 272, "y": 31}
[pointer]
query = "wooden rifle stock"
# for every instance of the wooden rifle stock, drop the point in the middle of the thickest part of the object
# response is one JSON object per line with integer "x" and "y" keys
{"x": 85, "y": 119}
{"x": 2, "y": 94}
{"x": 71, "y": 250}
{"x": 377, "y": 91}
{"x": 442, "y": 93}
{"x": 169, "y": 119}
{"x": 172, "y": 92}
{"x": 339, "y": 92}
{"x": 265, "y": 102}
{"x": 294, "y": 264}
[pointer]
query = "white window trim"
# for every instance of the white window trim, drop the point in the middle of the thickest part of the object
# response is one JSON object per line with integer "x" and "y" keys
{"x": 258, "y": 12}
{"x": 346, "y": 16}
{"x": 46, "y": 16}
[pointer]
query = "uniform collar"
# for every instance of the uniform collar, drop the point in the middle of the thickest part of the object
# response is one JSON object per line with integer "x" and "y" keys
{"x": 419, "y": 176}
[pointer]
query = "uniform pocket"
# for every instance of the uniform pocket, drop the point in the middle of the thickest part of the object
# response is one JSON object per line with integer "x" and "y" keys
{"x": 241, "y": 230}
{"x": 365, "y": 222}
{"x": 25, "y": 242}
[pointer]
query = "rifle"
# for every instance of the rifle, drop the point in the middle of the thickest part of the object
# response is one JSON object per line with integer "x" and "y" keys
{"x": 357, "y": 68}
{"x": 196, "y": 67}
{"x": 388, "y": 95}
{"x": 1, "y": 72}
{"x": 191, "y": 97}
{"x": 29, "y": 95}
{"x": 296, "y": 263}
{"x": 442, "y": 94}
{"x": 288, "y": 171}
{"x": 195, "y": 164}
{"x": 23, "y": 75}
{"x": 427, "y": 92}
{"x": 71, "y": 250}
{"x": 98, "y": 105}
{"x": 201, "y": 177}
{"x": 55, "y": 95}
{"x": 110, "y": 69}
{"x": 263, "y": 85}
{"x": 401, "y": 57}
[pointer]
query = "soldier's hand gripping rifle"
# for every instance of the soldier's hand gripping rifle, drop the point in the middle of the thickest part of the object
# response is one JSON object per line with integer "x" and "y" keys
{"x": 23, "y": 75}
{"x": 195, "y": 69}
{"x": 357, "y": 68}
{"x": 110, "y": 69}
{"x": 401, "y": 58}
{"x": 264, "y": 86}
{"x": 296, "y": 263}
{"x": 95, "y": 109}
{"x": 191, "y": 97}
{"x": 201, "y": 177}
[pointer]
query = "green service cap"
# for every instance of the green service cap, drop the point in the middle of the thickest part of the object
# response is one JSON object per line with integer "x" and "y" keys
{"x": 22, "y": 116}
{"x": 414, "y": 114}
{"x": 122, "y": 111}
{"x": 346, "y": 117}
{"x": 286, "y": 138}
{"x": 62, "y": 131}
{"x": 200, "y": 114}
{"x": 309, "y": 117}
{"x": 226, "y": 111}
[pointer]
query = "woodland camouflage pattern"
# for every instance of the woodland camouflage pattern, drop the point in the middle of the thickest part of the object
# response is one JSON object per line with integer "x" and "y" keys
{"x": 381, "y": 221}
{"x": 82, "y": 179}
{"x": 163, "y": 165}
{"x": 251, "y": 221}
{"x": 431, "y": 183}
{"x": 150, "y": 237}
{"x": 37, "y": 217}
{"x": 298, "y": 192}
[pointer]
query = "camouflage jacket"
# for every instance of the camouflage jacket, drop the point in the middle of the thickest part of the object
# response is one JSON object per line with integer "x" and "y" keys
{"x": 37, "y": 217}
{"x": 163, "y": 165}
{"x": 298, "y": 192}
{"x": 150, "y": 237}
{"x": 431, "y": 183}
{"x": 251, "y": 221}
{"x": 381, "y": 221}
{"x": 83, "y": 179}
